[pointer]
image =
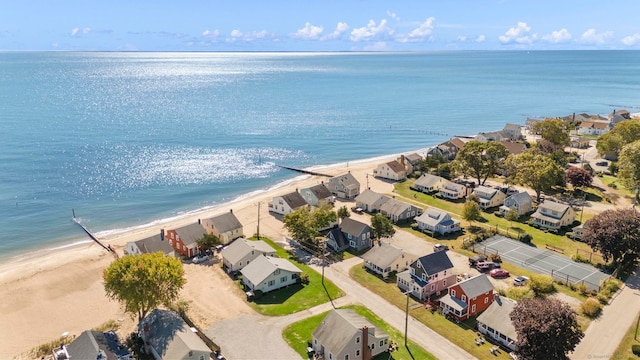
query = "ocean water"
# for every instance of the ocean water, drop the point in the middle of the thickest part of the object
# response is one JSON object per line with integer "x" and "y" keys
{"x": 127, "y": 139}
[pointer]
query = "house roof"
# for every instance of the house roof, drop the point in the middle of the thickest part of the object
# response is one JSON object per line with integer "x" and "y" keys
{"x": 294, "y": 200}
{"x": 521, "y": 198}
{"x": 154, "y": 244}
{"x": 433, "y": 217}
{"x": 226, "y": 222}
{"x": 476, "y": 285}
{"x": 347, "y": 180}
{"x": 369, "y": 197}
{"x": 410, "y": 278}
{"x": 482, "y": 190}
{"x": 395, "y": 206}
{"x": 514, "y": 127}
{"x": 554, "y": 206}
{"x": 241, "y": 247}
{"x": 90, "y": 343}
{"x": 435, "y": 262}
{"x": 263, "y": 266}
{"x": 427, "y": 180}
{"x": 514, "y": 148}
{"x": 320, "y": 191}
{"x": 353, "y": 227}
{"x": 451, "y": 186}
{"x": 338, "y": 236}
{"x": 594, "y": 125}
{"x": 338, "y": 328}
{"x": 453, "y": 302}
{"x": 191, "y": 233}
{"x": 497, "y": 316}
{"x": 413, "y": 158}
{"x": 458, "y": 142}
{"x": 395, "y": 166}
{"x": 383, "y": 255}
{"x": 170, "y": 336}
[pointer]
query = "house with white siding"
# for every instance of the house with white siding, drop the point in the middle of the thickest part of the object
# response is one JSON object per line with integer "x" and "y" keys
{"x": 397, "y": 211}
{"x": 344, "y": 186}
{"x": 436, "y": 220}
{"x": 553, "y": 215}
{"x": 287, "y": 203}
{"x": 242, "y": 251}
{"x": 268, "y": 273}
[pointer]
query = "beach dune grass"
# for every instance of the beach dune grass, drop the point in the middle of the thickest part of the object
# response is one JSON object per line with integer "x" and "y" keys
{"x": 298, "y": 297}
{"x": 298, "y": 334}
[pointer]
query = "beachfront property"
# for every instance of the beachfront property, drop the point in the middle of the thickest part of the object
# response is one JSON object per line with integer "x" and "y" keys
{"x": 428, "y": 183}
{"x": 413, "y": 159}
{"x": 428, "y": 275}
{"x": 287, "y": 203}
{"x": 448, "y": 149}
{"x": 489, "y": 197}
{"x": 514, "y": 148}
{"x": 499, "y": 135}
{"x": 167, "y": 336}
{"x": 530, "y": 123}
{"x": 385, "y": 258}
{"x": 242, "y": 251}
{"x": 268, "y": 273}
{"x": 370, "y": 201}
{"x": 225, "y": 226}
{"x": 468, "y": 297}
{"x": 392, "y": 170}
{"x": 317, "y": 194}
{"x": 343, "y": 334}
{"x": 616, "y": 116}
{"x": 149, "y": 245}
{"x": 452, "y": 191}
{"x": 513, "y": 131}
{"x": 593, "y": 128}
{"x": 344, "y": 186}
{"x": 184, "y": 239}
{"x": 522, "y": 202}
{"x": 351, "y": 234}
{"x": 437, "y": 221}
{"x": 93, "y": 345}
{"x": 398, "y": 211}
{"x": 496, "y": 323}
{"x": 553, "y": 215}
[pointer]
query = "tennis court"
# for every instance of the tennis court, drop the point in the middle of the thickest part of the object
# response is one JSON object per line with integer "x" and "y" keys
{"x": 542, "y": 261}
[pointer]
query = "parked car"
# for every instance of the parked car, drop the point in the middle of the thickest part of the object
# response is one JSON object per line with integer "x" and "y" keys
{"x": 440, "y": 247}
{"x": 476, "y": 259}
{"x": 602, "y": 163}
{"x": 520, "y": 281}
{"x": 199, "y": 259}
{"x": 499, "y": 273}
{"x": 483, "y": 266}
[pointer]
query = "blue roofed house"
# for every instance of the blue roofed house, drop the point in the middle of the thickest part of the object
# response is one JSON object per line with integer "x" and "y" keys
{"x": 435, "y": 220}
{"x": 349, "y": 234}
{"x": 522, "y": 202}
{"x": 344, "y": 186}
{"x": 489, "y": 197}
{"x": 428, "y": 275}
{"x": 397, "y": 211}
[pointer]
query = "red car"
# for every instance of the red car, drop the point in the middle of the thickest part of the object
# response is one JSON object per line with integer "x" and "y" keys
{"x": 498, "y": 273}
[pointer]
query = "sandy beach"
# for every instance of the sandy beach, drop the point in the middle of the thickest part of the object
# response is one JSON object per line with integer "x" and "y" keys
{"x": 61, "y": 290}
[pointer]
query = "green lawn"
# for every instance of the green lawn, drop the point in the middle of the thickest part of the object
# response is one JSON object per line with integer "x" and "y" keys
{"x": 295, "y": 298}
{"x": 461, "y": 334}
{"x": 608, "y": 179}
{"x": 299, "y": 333}
{"x": 624, "y": 349}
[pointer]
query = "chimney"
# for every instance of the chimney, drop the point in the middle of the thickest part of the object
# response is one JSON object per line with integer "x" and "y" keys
{"x": 402, "y": 160}
{"x": 161, "y": 234}
{"x": 366, "y": 352}
{"x": 231, "y": 211}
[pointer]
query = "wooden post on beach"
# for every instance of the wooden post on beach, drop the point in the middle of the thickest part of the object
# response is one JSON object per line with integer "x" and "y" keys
{"x": 258, "y": 228}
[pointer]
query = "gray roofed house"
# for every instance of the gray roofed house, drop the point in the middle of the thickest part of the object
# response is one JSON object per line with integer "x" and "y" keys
{"x": 489, "y": 197}
{"x": 350, "y": 233}
{"x": 492, "y": 136}
{"x": 268, "y": 273}
{"x": 316, "y": 194}
{"x": 385, "y": 258}
{"x": 344, "y": 186}
{"x": 242, "y": 251}
{"x": 513, "y": 130}
{"x": 397, "y": 210}
{"x": 94, "y": 345}
{"x": 428, "y": 183}
{"x": 553, "y": 215}
{"x": 453, "y": 191}
{"x": 413, "y": 159}
{"x": 343, "y": 334}
{"x": 225, "y": 226}
{"x": 428, "y": 275}
{"x": 169, "y": 337}
{"x": 468, "y": 298}
{"x": 496, "y": 322}
{"x": 436, "y": 220}
{"x": 183, "y": 239}
{"x": 284, "y": 204}
{"x": 370, "y": 201}
{"x": 522, "y": 202}
{"x": 149, "y": 245}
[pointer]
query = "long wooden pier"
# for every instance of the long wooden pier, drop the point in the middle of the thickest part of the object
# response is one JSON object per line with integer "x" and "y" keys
{"x": 93, "y": 237}
{"x": 303, "y": 171}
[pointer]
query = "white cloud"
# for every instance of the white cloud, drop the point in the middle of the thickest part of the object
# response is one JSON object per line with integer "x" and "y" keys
{"x": 631, "y": 39}
{"x": 371, "y": 31}
{"x": 591, "y": 36}
{"x": 235, "y": 35}
{"x": 341, "y": 28}
{"x": 75, "y": 31}
{"x": 309, "y": 32}
{"x": 393, "y": 15}
{"x": 556, "y": 37}
{"x": 86, "y": 30}
{"x": 256, "y": 35}
{"x": 481, "y": 38}
{"x": 518, "y": 34}
{"x": 420, "y": 33}
{"x": 213, "y": 34}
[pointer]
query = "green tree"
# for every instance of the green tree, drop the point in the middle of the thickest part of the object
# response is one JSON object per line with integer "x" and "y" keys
{"x": 143, "y": 282}
{"x": 304, "y": 224}
{"x": 471, "y": 211}
{"x": 536, "y": 171}
{"x": 323, "y": 216}
{"x": 511, "y": 215}
{"x": 343, "y": 212}
{"x": 208, "y": 241}
{"x": 480, "y": 159}
{"x": 381, "y": 226}
{"x": 625, "y": 132}
{"x": 629, "y": 165}
{"x": 554, "y": 132}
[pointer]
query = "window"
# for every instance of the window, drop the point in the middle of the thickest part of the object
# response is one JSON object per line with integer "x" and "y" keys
{"x": 277, "y": 271}
{"x": 473, "y": 308}
{"x": 358, "y": 340}
{"x": 283, "y": 279}
{"x": 373, "y": 346}
{"x": 424, "y": 276}
{"x": 464, "y": 298}
{"x": 381, "y": 342}
{"x": 433, "y": 287}
{"x": 357, "y": 352}
{"x": 346, "y": 357}
{"x": 201, "y": 357}
{"x": 272, "y": 282}
{"x": 444, "y": 282}
{"x": 352, "y": 244}
{"x": 453, "y": 293}
{"x": 486, "y": 299}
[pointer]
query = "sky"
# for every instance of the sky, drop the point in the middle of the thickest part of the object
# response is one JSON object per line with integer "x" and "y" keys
{"x": 318, "y": 25}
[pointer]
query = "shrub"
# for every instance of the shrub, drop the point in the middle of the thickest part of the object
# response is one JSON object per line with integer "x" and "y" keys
{"x": 579, "y": 258}
{"x": 611, "y": 285}
{"x": 106, "y": 326}
{"x": 604, "y": 299}
{"x": 502, "y": 292}
{"x": 525, "y": 238}
{"x": 590, "y": 307}
{"x": 541, "y": 284}
{"x": 304, "y": 279}
{"x": 635, "y": 348}
{"x": 495, "y": 258}
{"x": 519, "y": 293}
{"x": 582, "y": 289}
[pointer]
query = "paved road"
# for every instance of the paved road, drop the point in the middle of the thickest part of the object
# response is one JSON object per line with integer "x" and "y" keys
{"x": 605, "y": 333}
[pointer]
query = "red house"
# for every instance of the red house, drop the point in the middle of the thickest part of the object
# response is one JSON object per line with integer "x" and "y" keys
{"x": 183, "y": 240}
{"x": 468, "y": 298}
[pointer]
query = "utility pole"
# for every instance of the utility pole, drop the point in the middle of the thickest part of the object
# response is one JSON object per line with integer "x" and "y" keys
{"x": 406, "y": 318}
{"x": 258, "y": 229}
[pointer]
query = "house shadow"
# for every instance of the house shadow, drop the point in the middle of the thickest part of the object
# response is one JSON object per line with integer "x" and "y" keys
{"x": 278, "y": 296}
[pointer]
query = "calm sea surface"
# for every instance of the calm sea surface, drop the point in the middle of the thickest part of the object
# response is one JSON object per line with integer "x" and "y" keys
{"x": 127, "y": 139}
